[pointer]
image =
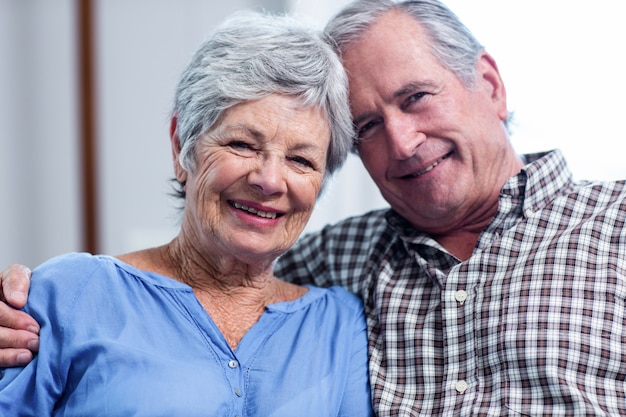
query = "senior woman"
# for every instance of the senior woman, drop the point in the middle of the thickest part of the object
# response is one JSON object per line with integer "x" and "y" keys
{"x": 201, "y": 326}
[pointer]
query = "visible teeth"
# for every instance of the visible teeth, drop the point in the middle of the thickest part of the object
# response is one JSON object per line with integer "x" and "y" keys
{"x": 264, "y": 214}
{"x": 429, "y": 168}
{"x": 425, "y": 170}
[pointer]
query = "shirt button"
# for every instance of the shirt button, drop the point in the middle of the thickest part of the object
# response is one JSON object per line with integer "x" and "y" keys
{"x": 238, "y": 392}
{"x": 233, "y": 364}
{"x": 460, "y": 296}
{"x": 461, "y": 387}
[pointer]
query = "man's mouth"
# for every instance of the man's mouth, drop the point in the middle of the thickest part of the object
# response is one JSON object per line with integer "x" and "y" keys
{"x": 264, "y": 214}
{"x": 428, "y": 168}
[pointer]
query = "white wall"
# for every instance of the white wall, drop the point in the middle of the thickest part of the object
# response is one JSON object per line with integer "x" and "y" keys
{"x": 143, "y": 45}
{"x": 563, "y": 64}
{"x": 39, "y": 212}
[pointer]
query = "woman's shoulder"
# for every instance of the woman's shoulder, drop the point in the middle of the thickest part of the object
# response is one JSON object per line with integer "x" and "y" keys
{"x": 58, "y": 283}
{"x": 338, "y": 297}
{"x": 70, "y": 257}
{"x": 74, "y": 269}
{"x": 67, "y": 266}
{"x": 321, "y": 299}
{"x": 343, "y": 295}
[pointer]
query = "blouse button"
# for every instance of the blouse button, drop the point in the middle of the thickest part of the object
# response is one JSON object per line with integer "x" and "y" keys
{"x": 233, "y": 364}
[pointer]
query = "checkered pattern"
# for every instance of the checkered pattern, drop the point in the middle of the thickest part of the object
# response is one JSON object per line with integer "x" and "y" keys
{"x": 534, "y": 323}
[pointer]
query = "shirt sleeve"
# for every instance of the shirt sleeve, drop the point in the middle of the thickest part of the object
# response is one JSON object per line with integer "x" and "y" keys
{"x": 340, "y": 254}
{"x": 34, "y": 390}
{"x": 305, "y": 262}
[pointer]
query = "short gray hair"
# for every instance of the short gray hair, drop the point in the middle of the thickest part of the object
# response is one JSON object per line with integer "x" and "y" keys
{"x": 452, "y": 44}
{"x": 253, "y": 55}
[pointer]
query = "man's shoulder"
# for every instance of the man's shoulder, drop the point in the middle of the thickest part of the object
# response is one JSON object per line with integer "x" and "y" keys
{"x": 370, "y": 223}
{"x": 599, "y": 192}
{"x": 337, "y": 253}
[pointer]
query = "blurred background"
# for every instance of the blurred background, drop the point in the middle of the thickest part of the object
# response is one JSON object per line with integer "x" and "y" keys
{"x": 562, "y": 62}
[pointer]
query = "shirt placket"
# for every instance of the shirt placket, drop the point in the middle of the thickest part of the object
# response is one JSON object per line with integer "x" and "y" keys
{"x": 235, "y": 376}
{"x": 458, "y": 310}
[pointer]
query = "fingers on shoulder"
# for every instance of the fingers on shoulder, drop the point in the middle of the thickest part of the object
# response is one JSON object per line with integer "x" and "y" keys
{"x": 15, "y": 282}
{"x": 12, "y": 319}
{"x": 14, "y": 357}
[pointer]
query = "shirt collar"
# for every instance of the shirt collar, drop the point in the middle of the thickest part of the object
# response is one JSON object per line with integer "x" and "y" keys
{"x": 544, "y": 176}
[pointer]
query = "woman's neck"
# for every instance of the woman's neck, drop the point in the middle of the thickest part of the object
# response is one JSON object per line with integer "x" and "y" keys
{"x": 203, "y": 269}
{"x": 233, "y": 293}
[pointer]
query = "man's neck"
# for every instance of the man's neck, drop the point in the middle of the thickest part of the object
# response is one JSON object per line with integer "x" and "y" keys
{"x": 461, "y": 245}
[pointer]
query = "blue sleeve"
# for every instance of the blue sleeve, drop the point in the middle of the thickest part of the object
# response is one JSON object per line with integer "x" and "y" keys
{"x": 33, "y": 390}
{"x": 357, "y": 398}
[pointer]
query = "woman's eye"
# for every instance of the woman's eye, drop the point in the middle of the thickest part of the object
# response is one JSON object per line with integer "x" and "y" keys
{"x": 302, "y": 161}
{"x": 238, "y": 144}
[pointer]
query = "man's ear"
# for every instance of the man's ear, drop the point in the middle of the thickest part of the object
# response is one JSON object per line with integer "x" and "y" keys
{"x": 179, "y": 171}
{"x": 488, "y": 76}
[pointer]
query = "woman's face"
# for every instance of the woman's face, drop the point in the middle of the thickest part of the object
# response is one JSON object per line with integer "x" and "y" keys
{"x": 258, "y": 174}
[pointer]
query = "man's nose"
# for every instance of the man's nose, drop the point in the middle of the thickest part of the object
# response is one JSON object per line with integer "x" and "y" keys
{"x": 403, "y": 136}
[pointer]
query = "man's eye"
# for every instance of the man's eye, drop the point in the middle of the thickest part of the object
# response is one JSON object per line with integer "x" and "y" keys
{"x": 362, "y": 131}
{"x": 416, "y": 97}
{"x": 366, "y": 127}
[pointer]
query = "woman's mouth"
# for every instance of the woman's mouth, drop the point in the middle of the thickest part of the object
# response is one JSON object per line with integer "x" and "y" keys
{"x": 251, "y": 210}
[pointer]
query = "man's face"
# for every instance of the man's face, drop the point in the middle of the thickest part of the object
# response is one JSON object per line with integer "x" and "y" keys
{"x": 437, "y": 150}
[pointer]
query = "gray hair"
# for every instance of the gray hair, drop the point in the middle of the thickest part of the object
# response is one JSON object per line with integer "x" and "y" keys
{"x": 253, "y": 55}
{"x": 452, "y": 44}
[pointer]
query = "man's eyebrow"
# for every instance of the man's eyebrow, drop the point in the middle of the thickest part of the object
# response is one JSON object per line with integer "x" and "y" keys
{"x": 411, "y": 87}
{"x": 399, "y": 93}
{"x": 361, "y": 118}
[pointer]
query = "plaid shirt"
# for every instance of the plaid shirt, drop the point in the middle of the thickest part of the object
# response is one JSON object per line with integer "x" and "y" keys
{"x": 534, "y": 323}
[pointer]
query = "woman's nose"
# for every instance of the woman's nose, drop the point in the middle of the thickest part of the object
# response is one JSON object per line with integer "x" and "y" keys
{"x": 269, "y": 176}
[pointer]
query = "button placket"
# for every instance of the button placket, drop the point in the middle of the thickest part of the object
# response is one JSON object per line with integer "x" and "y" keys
{"x": 236, "y": 380}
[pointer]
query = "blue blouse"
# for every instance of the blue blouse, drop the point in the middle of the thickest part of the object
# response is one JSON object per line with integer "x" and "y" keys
{"x": 117, "y": 341}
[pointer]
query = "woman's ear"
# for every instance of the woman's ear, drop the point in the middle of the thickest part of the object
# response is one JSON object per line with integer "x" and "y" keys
{"x": 179, "y": 171}
{"x": 488, "y": 73}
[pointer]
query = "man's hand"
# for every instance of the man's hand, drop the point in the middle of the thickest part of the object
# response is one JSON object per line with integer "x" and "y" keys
{"x": 19, "y": 332}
